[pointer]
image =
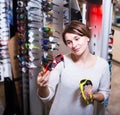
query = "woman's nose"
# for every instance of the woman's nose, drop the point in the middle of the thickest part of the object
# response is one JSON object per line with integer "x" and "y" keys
{"x": 74, "y": 44}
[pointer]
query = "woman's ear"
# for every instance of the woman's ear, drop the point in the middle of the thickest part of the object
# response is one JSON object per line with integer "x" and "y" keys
{"x": 88, "y": 39}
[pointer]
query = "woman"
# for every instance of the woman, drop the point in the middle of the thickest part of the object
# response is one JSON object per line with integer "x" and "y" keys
{"x": 62, "y": 83}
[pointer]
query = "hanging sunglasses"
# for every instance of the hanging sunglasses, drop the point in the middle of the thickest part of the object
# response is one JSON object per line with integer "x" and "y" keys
{"x": 32, "y": 53}
{"x": 49, "y": 30}
{"x": 20, "y": 58}
{"x": 21, "y": 29}
{"x": 22, "y": 47}
{"x": 48, "y": 4}
{"x": 21, "y": 16}
{"x": 2, "y": 41}
{"x": 33, "y": 26}
{"x": 3, "y": 34}
{"x": 31, "y": 4}
{"x": 4, "y": 27}
{"x": 4, "y": 53}
{"x": 21, "y": 41}
{"x": 22, "y": 52}
{"x": 4, "y": 9}
{"x": 23, "y": 69}
{"x": 33, "y": 34}
{"x": 49, "y": 21}
{"x": 110, "y": 40}
{"x": 37, "y": 2}
{"x": 109, "y": 48}
{"x": 20, "y": 10}
{"x": 34, "y": 15}
{"x": 110, "y": 64}
{"x": 109, "y": 57}
{"x": 36, "y": 62}
{"x": 4, "y": 57}
{"x": 32, "y": 46}
{"x": 46, "y": 7}
{"x": 45, "y": 54}
{"x": 5, "y": 37}
{"x": 30, "y": 17}
{"x": 4, "y": 48}
{"x": 5, "y": 60}
{"x": 47, "y": 48}
{"x": 46, "y": 59}
{"x": 23, "y": 64}
{"x": 33, "y": 21}
{"x": 1, "y": 45}
{"x": 32, "y": 59}
{"x": 3, "y": 2}
{"x": 48, "y": 16}
{"x": 112, "y": 32}
{"x": 66, "y": 5}
{"x": 4, "y": 21}
{"x": 47, "y": 35}
{"x": 20, "y": 3}
{"x": 20, "y": 22}
{"x": 33, "y": 8}
{"x": 3, "y": 15}
{"x": 53, "y": 44}
{"x": 33, "y": 39}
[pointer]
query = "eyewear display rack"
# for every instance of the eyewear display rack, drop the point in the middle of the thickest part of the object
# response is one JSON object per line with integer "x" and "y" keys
{"x": 5, "y": 65}
{"x": 6, "y": 73}
{"x": 39, "y": 24}
{"x": 53, "y": 16}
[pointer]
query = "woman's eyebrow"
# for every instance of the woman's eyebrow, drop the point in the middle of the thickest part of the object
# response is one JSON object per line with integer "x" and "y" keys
{"x": 76, "y": 36}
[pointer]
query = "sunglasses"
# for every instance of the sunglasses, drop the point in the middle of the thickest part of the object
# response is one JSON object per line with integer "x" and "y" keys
{"x": 82, "y": 84}
{"x": 52, "y": 64}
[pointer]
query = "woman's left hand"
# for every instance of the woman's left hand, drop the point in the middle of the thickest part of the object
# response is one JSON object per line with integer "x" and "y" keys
{"x": 88, "y": 91}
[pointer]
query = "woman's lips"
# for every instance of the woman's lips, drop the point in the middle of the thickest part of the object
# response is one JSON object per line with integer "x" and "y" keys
{"x": 76, "y": 50}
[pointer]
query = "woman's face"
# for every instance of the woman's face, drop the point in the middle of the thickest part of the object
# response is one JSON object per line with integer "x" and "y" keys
{"x": 77, "y": 44}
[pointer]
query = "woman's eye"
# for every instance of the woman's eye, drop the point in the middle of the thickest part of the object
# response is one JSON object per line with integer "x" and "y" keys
{"x": 68, "y": 42}
{"x": 77, "y": 38}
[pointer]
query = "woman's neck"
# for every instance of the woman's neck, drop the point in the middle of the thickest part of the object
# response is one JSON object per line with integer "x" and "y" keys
{"x": 82, "y": 58}
{"x": 84, "y": 61}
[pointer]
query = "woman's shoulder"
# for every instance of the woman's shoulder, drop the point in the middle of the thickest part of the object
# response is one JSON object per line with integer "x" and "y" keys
{"x": 102, "y": 61}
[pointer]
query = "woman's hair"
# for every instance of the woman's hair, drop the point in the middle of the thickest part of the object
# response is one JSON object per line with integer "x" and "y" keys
{"x": 76, "y": 27}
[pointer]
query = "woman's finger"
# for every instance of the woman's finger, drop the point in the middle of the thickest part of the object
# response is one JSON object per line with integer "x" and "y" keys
{"x": 42, "y": 79}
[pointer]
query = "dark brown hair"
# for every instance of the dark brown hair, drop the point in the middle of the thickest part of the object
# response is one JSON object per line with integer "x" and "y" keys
{"x": 76, "y": 27}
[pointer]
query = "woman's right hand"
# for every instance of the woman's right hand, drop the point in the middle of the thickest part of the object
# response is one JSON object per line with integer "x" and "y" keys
{"x": 42, "y": 79}
{"x": 42, "y": 82}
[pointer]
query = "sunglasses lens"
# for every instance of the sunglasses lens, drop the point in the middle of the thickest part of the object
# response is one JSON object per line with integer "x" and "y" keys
{"x": 88, "y": 82}
{"x": 20, "y": 4}
{"x": 82, "y": 81}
